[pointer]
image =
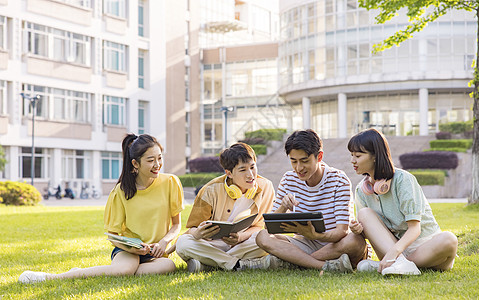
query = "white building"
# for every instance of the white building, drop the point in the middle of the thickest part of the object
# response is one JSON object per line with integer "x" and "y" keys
{"x": 328, "y": 73}
{"x": 99, "y": 75}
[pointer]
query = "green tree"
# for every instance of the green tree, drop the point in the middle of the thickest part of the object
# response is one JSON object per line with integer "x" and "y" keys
{"x": 420, "y": 13}
{"x": 3, "y": 160}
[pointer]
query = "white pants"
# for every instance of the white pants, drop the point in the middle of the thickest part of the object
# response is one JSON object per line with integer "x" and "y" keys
{"x": 217, "y": 253}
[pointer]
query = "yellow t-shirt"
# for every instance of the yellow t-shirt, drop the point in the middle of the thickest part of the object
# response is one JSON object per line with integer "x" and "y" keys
{"x": 147, "y": 215}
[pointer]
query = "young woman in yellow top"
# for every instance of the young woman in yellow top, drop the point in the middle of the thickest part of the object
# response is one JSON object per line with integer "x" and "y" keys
{"x": 142, "y": 205}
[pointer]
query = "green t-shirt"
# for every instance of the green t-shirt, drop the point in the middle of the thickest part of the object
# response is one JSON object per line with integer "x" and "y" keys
{"x": 404, "y": 202}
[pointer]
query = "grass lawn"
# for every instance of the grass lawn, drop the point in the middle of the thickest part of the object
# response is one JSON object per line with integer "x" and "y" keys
{"x": 55, "y": 239}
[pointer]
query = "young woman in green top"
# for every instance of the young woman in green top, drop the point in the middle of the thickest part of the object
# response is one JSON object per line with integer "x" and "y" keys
{"x": 393, "y": 213}
{"x": 142, "y": 205}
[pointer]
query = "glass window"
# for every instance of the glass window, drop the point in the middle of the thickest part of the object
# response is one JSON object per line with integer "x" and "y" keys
{"x": 75, "y": 164}
{"x": 58, "y": 104}
{"x": 115, "y": 7}
{"x": 141, "y": 22}
{"x": 142, "y": 107}
{"x": 110, "y": 165}
{"x": 58, "y": 44}
{"x": 114, "y": 110}
{"x": 114, "y": 56}
{"x": 3, "y": 98}
{"x": 82, "y": 3}
{"x": 141, "y": 69}
{"x": 41, "y": 163}
{"x": 3, "y": 32}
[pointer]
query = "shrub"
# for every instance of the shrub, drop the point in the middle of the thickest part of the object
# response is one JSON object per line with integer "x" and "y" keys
{"x": 463, "y": 150}
{"x": 19, "y": 193}
{"x": 208, "y": 164}
{"x": 267, "y": 134}
{"x": 254, "y": 141}
{"x": 443, "y": 135}
{"x": 429, "y": 160}
{"x": 429, "y": 177}
{"x": 456, "y": 127}
{"x": 464, "y": 143}
{"x": 197, "y": 179}
{"x": 259, "y": 149}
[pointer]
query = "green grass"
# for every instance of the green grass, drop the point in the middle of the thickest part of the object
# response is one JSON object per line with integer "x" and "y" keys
{"x": 55, "y": 239}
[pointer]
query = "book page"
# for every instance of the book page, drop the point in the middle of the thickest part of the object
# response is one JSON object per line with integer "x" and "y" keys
{"x": 241, "y": 209}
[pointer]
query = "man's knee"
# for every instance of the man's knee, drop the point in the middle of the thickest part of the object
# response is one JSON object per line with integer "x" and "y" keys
{"x": 183, "y": 244}
{"x": 262, "y": 239}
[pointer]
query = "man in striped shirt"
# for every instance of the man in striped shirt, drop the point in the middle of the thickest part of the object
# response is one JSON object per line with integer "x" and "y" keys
{"x": 313, "y": 186}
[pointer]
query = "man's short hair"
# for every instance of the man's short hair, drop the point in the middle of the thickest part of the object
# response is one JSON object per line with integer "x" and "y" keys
{"x": 236, "y": 153}
{"x": 306, "y": 140}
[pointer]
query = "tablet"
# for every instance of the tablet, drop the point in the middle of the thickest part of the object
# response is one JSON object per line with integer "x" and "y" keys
{"x": 273, "y": 221}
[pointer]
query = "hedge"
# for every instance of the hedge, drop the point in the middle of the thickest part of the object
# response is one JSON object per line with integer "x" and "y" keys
{"x": 429, "y": 160}
{"x": 19, "y": 193}
{"x": 463, "y": 150}
{"x": 208, "y": 164}
{"x": 267, "y": 134}
{"x": 429, "y": 177}
{"x": 456, "y": 127}
{"x": 443, "y": 135}
{"x": 197, "y": 179}
{"x": 463, "y": 143}
{"x": 259, "y": 149}
{"x": 254, "y": 141}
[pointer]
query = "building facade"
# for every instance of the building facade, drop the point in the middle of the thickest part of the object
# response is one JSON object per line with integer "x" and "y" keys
{"x": 98, "y": 74}
{"x": 327, "y": 70}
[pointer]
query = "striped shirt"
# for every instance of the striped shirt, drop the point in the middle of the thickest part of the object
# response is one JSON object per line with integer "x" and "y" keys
{"x": 331, "y": 196}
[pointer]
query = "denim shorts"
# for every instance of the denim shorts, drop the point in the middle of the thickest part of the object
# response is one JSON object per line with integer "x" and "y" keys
{"x": 143, "y": 258}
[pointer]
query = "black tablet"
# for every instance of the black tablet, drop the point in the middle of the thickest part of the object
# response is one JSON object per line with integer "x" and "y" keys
{"x": 273, "y": 221}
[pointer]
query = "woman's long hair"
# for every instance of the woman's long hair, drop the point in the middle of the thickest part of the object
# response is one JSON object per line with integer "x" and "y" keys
{"x": 133, "y": 147}
{"x": 374, "y": 142}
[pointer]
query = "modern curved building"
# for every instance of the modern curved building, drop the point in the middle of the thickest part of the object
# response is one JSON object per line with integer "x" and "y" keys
{"x": 329, "y": 75}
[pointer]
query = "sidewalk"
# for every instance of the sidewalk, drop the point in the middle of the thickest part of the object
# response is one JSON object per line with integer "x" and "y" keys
{"x": 189, "y": 198}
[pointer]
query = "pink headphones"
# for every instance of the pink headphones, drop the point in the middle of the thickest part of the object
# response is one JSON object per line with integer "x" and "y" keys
{"x": 380, "y": 187}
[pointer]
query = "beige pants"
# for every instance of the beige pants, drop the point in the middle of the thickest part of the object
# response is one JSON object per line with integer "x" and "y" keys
{"x": 217, "y": 253}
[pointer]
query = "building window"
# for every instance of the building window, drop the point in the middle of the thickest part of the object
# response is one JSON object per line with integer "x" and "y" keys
{"x": 58, "y": 44}
{"x": 3, "y": 98}
{"x": 142, "y": 108}
{"x": 141, "y": 69}
{"x": 141, "y": 18}
{"x": 41, "y": 163}
{"x": 114, "y": 110}
{"x": 76, "y": 164}
{"x": 110, "y": 165}
{"x": 3, "y": 32}
{"x": 114, "y": 56}
{"x": 115, "y": 8}
{"x": 58, "y": 104}
{"x": 82, "y": 3}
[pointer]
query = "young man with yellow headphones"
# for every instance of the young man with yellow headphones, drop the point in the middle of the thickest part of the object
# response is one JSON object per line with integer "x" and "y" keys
{"x": 240, "y": 191}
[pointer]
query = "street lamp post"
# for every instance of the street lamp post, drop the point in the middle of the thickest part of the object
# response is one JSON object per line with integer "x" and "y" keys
{"x": 33, "y": 101}
{"x": 225, "y": 110}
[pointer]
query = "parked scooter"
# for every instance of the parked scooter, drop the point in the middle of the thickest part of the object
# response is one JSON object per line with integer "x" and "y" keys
{"x": 50, "y": 192}
{"x": 68, "y": 192}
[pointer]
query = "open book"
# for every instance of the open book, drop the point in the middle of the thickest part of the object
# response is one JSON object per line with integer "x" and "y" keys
{"x": 132, "y": 242}
{"x": 226, "y": 228}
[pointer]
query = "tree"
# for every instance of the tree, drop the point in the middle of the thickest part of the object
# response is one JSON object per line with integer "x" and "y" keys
{"x": 420, "y": 13}
{"x": 3, "y": 161}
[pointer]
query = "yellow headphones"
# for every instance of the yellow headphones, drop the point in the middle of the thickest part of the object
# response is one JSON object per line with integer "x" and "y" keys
{"x": 235, "y": 192}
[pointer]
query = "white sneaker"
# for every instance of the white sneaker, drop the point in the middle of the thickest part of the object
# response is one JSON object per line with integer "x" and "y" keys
{"x": 368, "y": 265}
{"x": 255, "y": 263}
{"x": 31, "y": 277}
{"x": 195, "y": 266}
{"x": 278, "y": 263}
{"x": 402, "y": 266}
{"x": 340, "y": 265}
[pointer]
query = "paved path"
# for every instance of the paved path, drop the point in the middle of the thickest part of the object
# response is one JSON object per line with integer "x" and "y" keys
{"x": 189, "y": 198}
